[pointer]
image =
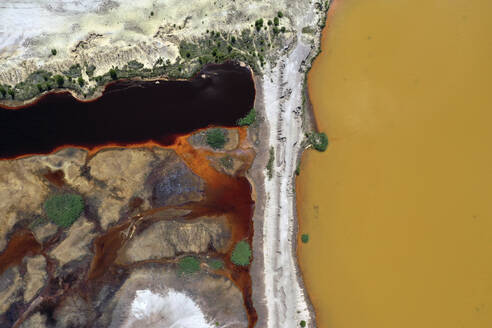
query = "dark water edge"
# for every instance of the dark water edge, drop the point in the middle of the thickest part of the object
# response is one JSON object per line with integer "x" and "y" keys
{"x": 129, "y": 112}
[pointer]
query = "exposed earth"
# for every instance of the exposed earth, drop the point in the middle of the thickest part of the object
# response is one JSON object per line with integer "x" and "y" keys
{"x": 145, "y": 211}
{"x": 154, "y": 242}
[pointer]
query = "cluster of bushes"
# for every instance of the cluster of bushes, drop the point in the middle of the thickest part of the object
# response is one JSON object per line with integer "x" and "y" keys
{"x": 64, "y": 209}
{"x": 318, "y": 140}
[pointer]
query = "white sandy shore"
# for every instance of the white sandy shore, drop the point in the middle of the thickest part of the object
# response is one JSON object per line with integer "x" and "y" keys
{"x": 286, "y": 298}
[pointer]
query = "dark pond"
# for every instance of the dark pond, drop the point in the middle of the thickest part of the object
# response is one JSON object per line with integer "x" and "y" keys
{"x": 129, "y": 112}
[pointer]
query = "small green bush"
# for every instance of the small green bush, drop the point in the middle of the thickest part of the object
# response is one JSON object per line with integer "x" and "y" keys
{"x": 280, "y": 14}
{"x": 11, "y": 92}
{"x": 248, "y": 119}
{"x": 241, "y": 255}
{"x": 216, "y": 138}
{"x": 302, "y": 323}
{"x": 318, "y": 141}
{"x": 3, "y": 91}
{"x": 59, "y": 80}
{"x": 81, "y": 81}
{"x": 112, "y": 73}
{"x": 53, "y": 52}
{"x": 216, "y": 264}
{"x": 305, "y": 238}
{"x": 276, "y": 21}
{"x": 188, "y": 265}
{"x": 64, "y": 209}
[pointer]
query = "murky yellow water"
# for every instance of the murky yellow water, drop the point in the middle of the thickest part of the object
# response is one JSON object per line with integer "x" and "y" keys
{"x": 399, "y": 208}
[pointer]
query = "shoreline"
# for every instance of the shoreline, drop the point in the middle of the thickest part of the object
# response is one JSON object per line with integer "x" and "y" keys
{"x": 285, "y": 97}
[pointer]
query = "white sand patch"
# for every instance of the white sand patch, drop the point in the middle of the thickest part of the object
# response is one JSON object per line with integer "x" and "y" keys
{"x": 172, "y": 310}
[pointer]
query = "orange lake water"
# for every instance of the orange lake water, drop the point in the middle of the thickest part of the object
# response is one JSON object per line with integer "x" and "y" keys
{"x": 399, "y": 208}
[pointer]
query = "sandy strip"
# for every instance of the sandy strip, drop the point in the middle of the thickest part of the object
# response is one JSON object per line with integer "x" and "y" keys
{"x": 286, "y": 301}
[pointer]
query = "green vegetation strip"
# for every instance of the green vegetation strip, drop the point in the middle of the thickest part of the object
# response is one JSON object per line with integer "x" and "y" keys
{"x": 248, "y": 119}
{"x": 64, "y": 209}
{"x": 241, "y": 255}
{"x": 270, "y": 163}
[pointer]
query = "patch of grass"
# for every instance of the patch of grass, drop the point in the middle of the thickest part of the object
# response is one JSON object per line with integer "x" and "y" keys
{"x": 64, "y": 209}
{"x": 188, "y": 265}
{"x": 248, "y": 119}
{"x": 304, "y": 238}
{"x": 269, "y": 166}
{"x": 318, "y": 141}
{"x": 241, "y": 255}
{"x": 216, "y": 264}
{"x": 216, "y": 138}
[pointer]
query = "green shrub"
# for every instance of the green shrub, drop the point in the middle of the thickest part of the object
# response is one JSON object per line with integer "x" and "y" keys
{"x": 318, "y": 141}
{"x": 11, "y": 92}
{"x": 188, "y": 265}
{"x": 305, "y": 238}
{"x": 3, "y": 91}
{"x": 216, "y": 264}
{"x": 248, "y": 119}
{"x": 280, "y": 14}
{"x": 64, "y": 209}
{"x": 53, "y": 52}
{"x": 270, "y": 163}
{"x": 81, "y": 81}
{"x": 216, "y": 138}
{"x": 59, "y": 80}
{"x": 241, "y": 255}
{"x": 112, "y": 73}
{"x": 276, "y": 21}
{"x": 302, "y": 323}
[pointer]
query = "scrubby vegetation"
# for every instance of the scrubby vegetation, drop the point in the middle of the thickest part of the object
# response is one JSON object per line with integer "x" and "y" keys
{"x": 64, "y": 209}
{"x": 305, "y": 238}
{"x": 216, "y": 138}
{"x": 241, "y": 255}
{"x": 251, "y": 46}
{"x": 227, "y": 162}
{"x": 248, "y": 119}
{"x": 216, "y": 264}
{"x": 302, "y": 323}
{"x": 269, "y": 166}
{"x": 318, "y": 141}
{"x": 188, "y": 265}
